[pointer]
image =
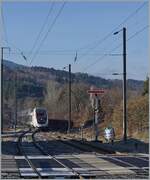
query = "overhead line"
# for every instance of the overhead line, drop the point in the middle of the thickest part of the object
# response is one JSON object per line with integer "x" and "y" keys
{"x": 65, "y": 54}
{"x": 131, "y": 37}
{"x": 43, "y": 26}
{"x": 6, "y": 37}
{"x": 138, "y": 32}
{"x": 49, "y": 30}
{"x": 4, "y": 26}
{"x": 109, "y": 34}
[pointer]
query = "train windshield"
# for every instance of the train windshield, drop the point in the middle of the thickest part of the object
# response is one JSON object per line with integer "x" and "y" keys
{"x": 41, "y": 113}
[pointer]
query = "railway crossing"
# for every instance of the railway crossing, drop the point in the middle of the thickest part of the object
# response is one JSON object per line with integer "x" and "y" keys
{"x": 87, "y": 165}
{"x": 59, "y": 159}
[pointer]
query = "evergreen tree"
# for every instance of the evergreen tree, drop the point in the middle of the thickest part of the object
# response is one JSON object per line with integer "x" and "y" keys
{"x": 146, "y": 87}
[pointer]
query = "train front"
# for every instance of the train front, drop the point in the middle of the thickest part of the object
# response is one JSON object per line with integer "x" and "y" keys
{"x": 42, "y": 117}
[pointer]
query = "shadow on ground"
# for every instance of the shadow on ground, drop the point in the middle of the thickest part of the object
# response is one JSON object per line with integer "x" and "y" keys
{"x": 131, "y": 145}
{"x": 53, "y": 147}
{"x": 56, "y": 147}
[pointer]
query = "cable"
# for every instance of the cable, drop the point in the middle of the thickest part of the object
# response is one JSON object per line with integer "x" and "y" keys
{"x": 131, "y": 37}
{"x": 43, "y": 26}
{"x": 65, "y": 54}
{"x": 109, "y": 34}
{"x": 4, "y": 26}
{"x": 138, "y": 32}
{"x": 50, "y": 28}
{"x": 6, "y": 37}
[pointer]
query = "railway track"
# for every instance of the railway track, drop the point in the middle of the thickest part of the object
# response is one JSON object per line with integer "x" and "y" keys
{"x": 37, "y": 172}
{"x": 23, "y": 153}
{"x": 133, "y": 170}
{"x": 81, "y": 174}
{"x": 41, "y": 157}
{"x": 76, "y": 174}
{"x": 82, "y": 145}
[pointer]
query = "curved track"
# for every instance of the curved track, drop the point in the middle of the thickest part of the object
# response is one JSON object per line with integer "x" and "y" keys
{"x": 76, "y": 145}
{"x": 23, "y": 153}
{"x": 48, "y": 161}
{"x": 52, "y": 157}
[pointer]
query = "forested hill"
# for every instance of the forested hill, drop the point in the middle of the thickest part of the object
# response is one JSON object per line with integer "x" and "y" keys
{"x": 35, "y": 79}
{"x": 47, "y": 87}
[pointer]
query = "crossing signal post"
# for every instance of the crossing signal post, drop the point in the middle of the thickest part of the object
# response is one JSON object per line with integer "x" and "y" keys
{"x": 96, "y": 112}
{"x": 96, "y": 106}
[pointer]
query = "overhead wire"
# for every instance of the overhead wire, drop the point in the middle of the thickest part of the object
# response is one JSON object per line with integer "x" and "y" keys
{"x": 112, "y": 50}
{"x": 49, "y": 30}
{"x": 4, "y": 25}
{"x": 64, "y": 54}
{"x": 20, "y": 52}
{"x": 97, "y": 42}
{"x": 138, "y": 32}
{"x": 110, "y": 33}
{"x": 42, "y": 27}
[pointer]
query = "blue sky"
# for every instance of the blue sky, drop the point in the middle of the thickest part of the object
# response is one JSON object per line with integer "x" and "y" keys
{"x": 79, "y": 26}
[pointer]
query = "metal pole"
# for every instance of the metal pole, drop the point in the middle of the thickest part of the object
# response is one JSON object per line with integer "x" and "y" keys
{"x": 124, "y": 87}
{"x": 15, "y": 122}
{"x": 69, "y": 121}
{"x": 96, "y": 117}
{"x": 82, "y": 132}
{"x": 2, "y": 84}
{"x": 2, "y": 90}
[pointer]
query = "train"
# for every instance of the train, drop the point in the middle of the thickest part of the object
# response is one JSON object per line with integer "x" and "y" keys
{"x": 60, "y": 125}
{"x": 39, "y": 117}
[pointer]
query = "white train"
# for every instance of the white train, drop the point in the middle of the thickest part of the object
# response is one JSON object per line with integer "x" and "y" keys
{"x": 39, "y": 117}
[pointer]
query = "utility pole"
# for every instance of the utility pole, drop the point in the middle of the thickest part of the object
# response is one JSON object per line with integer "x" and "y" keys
{"x": 124, "y": 85}
{"x": 2, "y": 90}
{"x": 69, "y": 121}
{"x": 2, "y": 102}
{"x": 124, "y": 88}
{"x": 15, "y": 120}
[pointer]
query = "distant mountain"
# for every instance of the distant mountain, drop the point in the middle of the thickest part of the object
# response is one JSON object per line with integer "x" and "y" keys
{"x": 11, "y": 65}
{"x": 35, "y": 79}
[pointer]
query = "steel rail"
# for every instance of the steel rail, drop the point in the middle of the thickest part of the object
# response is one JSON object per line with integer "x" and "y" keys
{"x": 40, "y": 148}
{"x": 52, "y": 157}
{"x": 83, "y": 145}
{"x": 83, "y": 149}
{"x": 21, "y": 151}
{"x": 77, "y": 147}
{"x": 98, "y": 150}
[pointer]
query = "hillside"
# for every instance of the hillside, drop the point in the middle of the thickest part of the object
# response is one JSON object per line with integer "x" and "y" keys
{"x": 27, "y": 87}
{"x": 32, "y": 81}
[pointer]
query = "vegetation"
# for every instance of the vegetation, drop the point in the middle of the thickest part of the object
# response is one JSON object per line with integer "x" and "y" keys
{"x": 146, "y": 86}
{"x": 38, "y": 86}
